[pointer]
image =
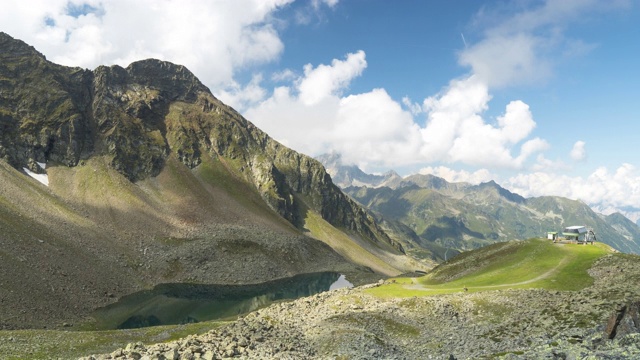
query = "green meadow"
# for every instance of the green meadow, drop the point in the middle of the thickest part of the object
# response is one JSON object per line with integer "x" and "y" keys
{"x": 534, "y": 263}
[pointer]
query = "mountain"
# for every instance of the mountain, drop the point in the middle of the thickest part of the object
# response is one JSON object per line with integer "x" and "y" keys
{"x": 150, "y": 179}
{"x": 464, "y": 216}
{"x": 439, "y": 215}
{"x": 624, "y": 226}
{"x": 351, "y": 175}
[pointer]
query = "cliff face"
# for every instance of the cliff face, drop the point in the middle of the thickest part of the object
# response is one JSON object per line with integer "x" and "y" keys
{"x": 44, "y": 108}
{"x": 138, "y": 116}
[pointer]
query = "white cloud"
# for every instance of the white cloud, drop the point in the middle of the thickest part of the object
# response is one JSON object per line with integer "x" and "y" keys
{"x": 414, "y": 108}
{"x": 617, "y": 190}
{"x": 305, "y": 128}
{"x": 327, "y": 80}
{"x": 578, "y": 152}
{"x": 329, "y": 3}
{"x": 374, "y": 130}
{"x": 518, "y": 47}
{"x": 239, "y": 97}
{"x": 507, "y": 60}
{"x": 213, "y": 39}
{"x": 284, "y": 75}
{"x": 476, "y": 177}
{"x": 544, "y": 164}
{"x": 456, "y": 132}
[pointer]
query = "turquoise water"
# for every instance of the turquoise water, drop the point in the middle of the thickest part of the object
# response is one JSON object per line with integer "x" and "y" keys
{"x": 184, "y": 303}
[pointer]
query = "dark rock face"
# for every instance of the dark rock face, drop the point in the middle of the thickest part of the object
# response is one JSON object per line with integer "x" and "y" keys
{"x": 624, "y": 321}
{"x": 43, "y": 108}
{"x": 138, "y": 116}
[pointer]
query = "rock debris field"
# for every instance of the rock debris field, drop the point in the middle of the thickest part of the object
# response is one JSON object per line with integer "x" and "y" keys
{"x": 598, "y": 322}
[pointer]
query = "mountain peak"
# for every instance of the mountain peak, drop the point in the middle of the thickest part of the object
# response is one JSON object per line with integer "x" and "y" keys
{"x": 491, "y": 184}
{"x": 166, "y": 75}
{"x": 16, "y": 48}
{"x": 351, "y": 175}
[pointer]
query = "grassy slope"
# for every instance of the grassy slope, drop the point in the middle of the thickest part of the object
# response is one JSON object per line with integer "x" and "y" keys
{"x": 346, "y": 246}
{"x": 529, "y": 264}
{"x": 57, "y": 344}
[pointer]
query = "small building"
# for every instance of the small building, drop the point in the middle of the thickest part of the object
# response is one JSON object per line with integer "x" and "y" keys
{"x": 590, "y": 237}
{"x": 575, "y": 233}
{"x": 552, "y": 235}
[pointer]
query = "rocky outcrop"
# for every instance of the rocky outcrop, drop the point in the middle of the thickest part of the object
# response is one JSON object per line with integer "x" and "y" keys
{"x": 624, "y": 321}
{"x": 44, "y": 108}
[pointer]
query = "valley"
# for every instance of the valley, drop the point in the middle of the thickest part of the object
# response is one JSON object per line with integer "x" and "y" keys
{"x": 560, "y": 304}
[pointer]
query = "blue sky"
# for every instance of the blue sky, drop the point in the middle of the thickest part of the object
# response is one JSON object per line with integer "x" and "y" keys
{"x": 537, "y": 95}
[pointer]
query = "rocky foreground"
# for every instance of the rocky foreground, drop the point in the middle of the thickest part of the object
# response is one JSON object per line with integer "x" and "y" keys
{"x": 599, "y": 322}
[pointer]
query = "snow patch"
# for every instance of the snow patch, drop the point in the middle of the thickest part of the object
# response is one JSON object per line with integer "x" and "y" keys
{"x": 42, "y": 165}
{"x": 43, "y": 178}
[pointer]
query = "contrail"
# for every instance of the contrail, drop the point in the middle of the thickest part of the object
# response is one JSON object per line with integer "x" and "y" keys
{"x": 463, "y": 40}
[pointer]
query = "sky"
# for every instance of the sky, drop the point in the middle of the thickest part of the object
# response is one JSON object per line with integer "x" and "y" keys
{"x": 540, "y": 96}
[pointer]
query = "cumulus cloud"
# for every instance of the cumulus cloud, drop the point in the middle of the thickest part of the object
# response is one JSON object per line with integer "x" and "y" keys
{"x": 578, "y": 152}
{"x": 372, "y": 129}
{"x": 238, "y": 96}
{"x": 456, "y": 131}
{"x": 605, "y": 190}
{"x": 213, "y": 39}
{"x": 451, "y": 175}
{"x": 327, "y": 80}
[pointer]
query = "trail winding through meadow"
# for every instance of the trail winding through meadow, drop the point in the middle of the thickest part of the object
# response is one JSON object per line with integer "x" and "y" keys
{"x": 415, "y": 285}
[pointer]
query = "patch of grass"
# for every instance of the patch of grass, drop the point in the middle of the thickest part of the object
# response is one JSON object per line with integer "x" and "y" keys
{"x": 574, "y": 276}
{"x": 343, "y": 244}
{"x": 390, "y": 325}
{"x": 53, "y": 344}
{"x": 505, "y": 353}
{"x": 534, "y": 263}
{"x": 494, "y": 311}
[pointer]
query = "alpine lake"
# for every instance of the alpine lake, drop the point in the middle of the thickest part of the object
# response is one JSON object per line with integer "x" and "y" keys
{"x": 171, "y": 304}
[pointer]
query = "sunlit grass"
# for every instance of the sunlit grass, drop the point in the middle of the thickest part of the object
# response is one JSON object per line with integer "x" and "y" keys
{"x": 521, "y": 265}
{"x": 55, "y": 344}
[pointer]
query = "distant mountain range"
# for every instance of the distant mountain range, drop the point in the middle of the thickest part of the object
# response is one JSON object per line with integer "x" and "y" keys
{"x": 464, "y": 216}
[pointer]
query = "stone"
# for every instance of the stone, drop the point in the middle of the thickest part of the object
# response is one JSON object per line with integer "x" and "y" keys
{"x": 171, "y": 354}
{"x": 625, "y": 320}
{"x": 630, "y": 322}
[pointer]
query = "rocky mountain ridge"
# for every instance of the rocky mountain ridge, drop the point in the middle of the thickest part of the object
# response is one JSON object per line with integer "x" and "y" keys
{"x": 152, "y": 179}
{"x": 121, "y": 113}
{"x": 465, "y": 216}
{"x": 351, "y": 175}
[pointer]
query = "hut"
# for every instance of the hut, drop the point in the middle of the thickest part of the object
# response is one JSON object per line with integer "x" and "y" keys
{"x": 575, "y": 233}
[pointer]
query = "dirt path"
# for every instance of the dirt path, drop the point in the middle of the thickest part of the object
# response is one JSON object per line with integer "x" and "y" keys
{"x": 417, "y": 286}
